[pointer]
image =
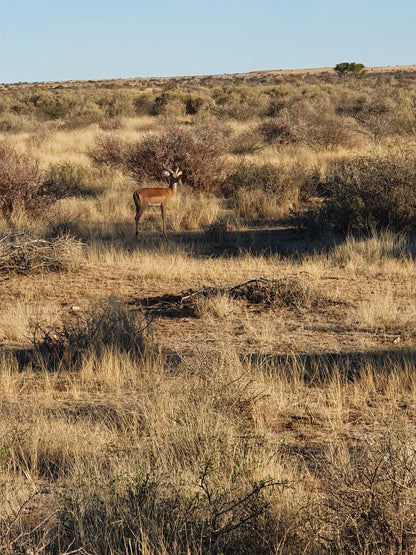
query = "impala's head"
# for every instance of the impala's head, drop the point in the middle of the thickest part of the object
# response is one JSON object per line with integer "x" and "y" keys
{"x": 174, "y": 176}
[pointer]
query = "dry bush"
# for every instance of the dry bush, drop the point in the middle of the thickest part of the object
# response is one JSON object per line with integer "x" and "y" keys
{"x": 20, "y": 181}
{"x": 198, "y": 152}
{"x": 259, "y": 294}
{"x": 369, "y": 504}
{"x": 151, "y": 513}
{"x": 315, "y": 129}
{"x": 283, "y": 129}
{"x": 16, "y": 123}
{"x": 205, "y": 494}
{"x": 23, "y": 253}
{"x": 331, "y": 131}
{"x": 269, "y": 190}
{"x": 240, "y": 101}
{"x": 109, "y": 150}
{"x": 248, "y": 142}
{"x": 109, "y": 326}
{"x": 371, "y": 192}
{"x": 198, "y": 102}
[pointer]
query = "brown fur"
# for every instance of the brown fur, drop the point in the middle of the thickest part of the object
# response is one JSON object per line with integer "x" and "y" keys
{"x": 159, "y": 196}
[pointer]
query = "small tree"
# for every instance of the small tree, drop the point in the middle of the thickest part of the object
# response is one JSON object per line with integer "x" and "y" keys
{"x": 349, "y": 67}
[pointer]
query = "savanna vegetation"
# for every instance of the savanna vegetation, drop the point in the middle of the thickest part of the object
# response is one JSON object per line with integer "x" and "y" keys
{"x": 245, "y": 385}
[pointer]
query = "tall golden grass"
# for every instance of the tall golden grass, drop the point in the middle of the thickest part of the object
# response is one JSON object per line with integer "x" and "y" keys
{"x": 130, "y": 426}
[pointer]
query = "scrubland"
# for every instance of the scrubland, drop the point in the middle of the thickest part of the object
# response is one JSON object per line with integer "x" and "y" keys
{"x": 246, "y": 385}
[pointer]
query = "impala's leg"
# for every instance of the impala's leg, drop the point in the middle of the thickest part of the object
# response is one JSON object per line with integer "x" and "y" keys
{"x": 139, "y": 214}
{"x": 140, "y": 208}
{"x": 163, "y": 210}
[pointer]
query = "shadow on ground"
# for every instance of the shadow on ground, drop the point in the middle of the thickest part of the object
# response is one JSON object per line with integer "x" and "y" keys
{"x": 270, "y": 238}
{"x": 321, "y": 367}
{"x": 308, "y": 367}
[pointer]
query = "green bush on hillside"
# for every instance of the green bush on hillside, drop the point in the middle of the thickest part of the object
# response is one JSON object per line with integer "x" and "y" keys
{"x": 349, "y": 67}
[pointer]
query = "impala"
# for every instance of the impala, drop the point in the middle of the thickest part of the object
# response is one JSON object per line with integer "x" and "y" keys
{"x": 159, "y": 196}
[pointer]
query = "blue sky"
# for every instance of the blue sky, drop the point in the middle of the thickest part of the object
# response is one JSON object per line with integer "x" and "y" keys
{"x": 45, "y": 40}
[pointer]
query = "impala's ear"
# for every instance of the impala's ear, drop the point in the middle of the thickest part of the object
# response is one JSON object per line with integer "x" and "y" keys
{"x": 166, "y": 173}
{"x": 179, "y": 173}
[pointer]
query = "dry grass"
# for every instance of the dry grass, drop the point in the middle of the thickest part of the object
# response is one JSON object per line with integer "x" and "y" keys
{"x": 284, "y": 425}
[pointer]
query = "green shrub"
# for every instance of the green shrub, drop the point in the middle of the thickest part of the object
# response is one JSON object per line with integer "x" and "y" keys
{"x": 349, "y": 67}
{"x": 171, "y": 103}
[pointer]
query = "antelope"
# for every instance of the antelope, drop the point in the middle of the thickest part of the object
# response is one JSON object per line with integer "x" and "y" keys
{"x": 159, "y": 196}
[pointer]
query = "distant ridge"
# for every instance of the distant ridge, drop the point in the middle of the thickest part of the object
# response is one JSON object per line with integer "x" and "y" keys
{"x": 260, "y": 75}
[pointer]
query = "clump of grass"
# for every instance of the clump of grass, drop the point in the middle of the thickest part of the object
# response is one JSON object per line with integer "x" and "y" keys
{"x": 108, "y": 326}
{"x": 16, "y": 320}
{"x": 193, "y": 210}
{"x": 385, "y": 312}
{"x": 65, "y": 179}
{"x": 376, "y": 248}
{"x": 218, "y": 306}
{"x": 297, "y": 294}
